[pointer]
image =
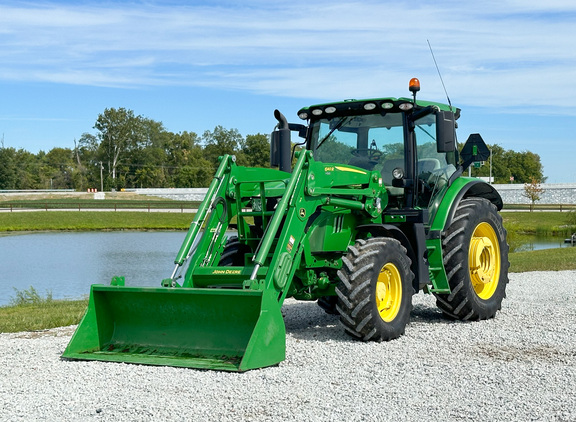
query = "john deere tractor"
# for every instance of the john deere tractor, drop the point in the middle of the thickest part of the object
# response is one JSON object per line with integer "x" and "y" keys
{"x": 370, "y": 208}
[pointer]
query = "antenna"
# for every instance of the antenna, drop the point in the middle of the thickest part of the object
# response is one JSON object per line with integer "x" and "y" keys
{"x": 439, "y": 74}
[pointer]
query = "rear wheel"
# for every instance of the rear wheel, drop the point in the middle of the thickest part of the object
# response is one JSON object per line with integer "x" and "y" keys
{"x": 375, "y": 289}
{"x": 476, "y": 262}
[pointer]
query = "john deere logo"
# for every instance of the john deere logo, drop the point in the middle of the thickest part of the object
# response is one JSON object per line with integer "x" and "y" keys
{"x": 226, "y": 272}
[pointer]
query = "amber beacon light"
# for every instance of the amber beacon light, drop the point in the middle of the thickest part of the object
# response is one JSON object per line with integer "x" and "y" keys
{"x": 414, "y": 85}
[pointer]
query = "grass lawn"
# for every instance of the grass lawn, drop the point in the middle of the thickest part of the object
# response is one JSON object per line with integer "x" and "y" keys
{"x": 540, "y": 223}
{"x": 93, "y": 220}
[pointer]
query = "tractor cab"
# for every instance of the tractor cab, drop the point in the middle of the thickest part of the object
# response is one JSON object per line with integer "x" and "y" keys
{"x": 411, "y": 143}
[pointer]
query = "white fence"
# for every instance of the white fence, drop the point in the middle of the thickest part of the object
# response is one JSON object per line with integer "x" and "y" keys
{"x": 511, "y": 194}
{"x": 553, "y": 194}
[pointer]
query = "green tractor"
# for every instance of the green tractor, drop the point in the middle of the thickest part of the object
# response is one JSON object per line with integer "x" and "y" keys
{"x": 371, "y": 210}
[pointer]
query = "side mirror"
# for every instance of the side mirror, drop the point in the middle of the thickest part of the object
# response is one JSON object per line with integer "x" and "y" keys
{"x": 445, "y": 131}
{"x": 280, "y": 144}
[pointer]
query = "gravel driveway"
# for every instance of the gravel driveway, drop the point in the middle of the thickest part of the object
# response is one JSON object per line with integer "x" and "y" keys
{"x": 520, "y": 366}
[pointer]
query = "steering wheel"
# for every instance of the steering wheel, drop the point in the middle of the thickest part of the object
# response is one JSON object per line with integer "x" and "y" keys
{"x": 372, "y": 153}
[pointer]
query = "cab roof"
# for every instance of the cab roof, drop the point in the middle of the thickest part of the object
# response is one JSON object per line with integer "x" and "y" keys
{"x": 368, "y": 106}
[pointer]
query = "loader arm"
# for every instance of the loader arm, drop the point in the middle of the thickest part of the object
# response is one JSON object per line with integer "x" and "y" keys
{"x": 277, "y": 253}
{"x": 223, "y": 316}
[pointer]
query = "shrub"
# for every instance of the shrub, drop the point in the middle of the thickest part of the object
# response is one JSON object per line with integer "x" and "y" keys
{"x": 30, "y": 297}
{"x": 571, "y": 218}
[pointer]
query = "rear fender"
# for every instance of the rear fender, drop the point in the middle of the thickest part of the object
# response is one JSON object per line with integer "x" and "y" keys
{"x": 461, "y": 188}
{"x": 443, "y": 214}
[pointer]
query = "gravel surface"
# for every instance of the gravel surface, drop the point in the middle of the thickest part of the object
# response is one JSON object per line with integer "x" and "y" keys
{"x": 520, "y": 366}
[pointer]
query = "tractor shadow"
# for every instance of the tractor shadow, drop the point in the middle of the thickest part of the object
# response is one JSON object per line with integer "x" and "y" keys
{"x": 307, "y": 321}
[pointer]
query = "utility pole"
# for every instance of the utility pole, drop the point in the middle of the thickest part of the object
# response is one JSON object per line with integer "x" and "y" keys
{"x": 490, "y": 179}
{"x": 101, "y": 178}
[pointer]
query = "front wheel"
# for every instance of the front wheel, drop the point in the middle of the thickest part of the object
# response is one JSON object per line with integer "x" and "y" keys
{"x": 375, "y": 289}
{"x": 476, "y": 262}
{"x": 233, "y": 253}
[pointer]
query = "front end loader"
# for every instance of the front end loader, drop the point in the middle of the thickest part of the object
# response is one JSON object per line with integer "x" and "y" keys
{"x": 373, "y": 210}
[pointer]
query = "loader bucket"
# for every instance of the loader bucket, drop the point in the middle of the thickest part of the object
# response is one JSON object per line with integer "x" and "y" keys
{"x": 222, "y": 329}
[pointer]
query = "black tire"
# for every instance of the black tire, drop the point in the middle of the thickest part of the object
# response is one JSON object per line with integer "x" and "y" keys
{"x": 233, "y": 253}
{"x": 476, "y": 262}
{"x": 328, "y": 303}
{"x": 375, "y": 274}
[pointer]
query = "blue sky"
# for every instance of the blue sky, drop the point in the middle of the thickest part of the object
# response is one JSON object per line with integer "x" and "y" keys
{"x": 510, "y": 65}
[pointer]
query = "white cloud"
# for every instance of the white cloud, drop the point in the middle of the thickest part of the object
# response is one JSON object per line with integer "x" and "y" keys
{"x": 493, "y": 53}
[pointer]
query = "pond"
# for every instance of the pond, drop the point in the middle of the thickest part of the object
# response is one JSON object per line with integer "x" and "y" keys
{"x": 533, "y": 243}
{"x": 66, "y": 264}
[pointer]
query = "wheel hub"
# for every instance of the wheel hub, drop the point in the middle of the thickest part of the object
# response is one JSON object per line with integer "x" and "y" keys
{"x": 388, "y": 292}
{"x": 381, "y": 290}
{"x": 482, "y": 262}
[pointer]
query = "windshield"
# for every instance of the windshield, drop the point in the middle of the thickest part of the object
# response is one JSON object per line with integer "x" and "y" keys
{"x": 376, "y": 142}
{"x": 362, "y": 141}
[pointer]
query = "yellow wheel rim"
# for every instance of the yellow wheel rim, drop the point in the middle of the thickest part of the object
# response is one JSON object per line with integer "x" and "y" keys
{"x": 484, "y": 260}
{"x": 388, "y": 292}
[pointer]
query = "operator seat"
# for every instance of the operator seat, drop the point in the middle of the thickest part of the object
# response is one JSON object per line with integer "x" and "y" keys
{"x": 428, "y": 165}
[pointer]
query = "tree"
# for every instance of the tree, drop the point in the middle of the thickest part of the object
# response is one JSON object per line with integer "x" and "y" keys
{"x": 88, "y": 161}
{"x": 179, "y": 148}
{"x": 508, "y": 163}
{"x": 8, "y": 169}
{"x": 257, "y": 150}
{"x": 195, "y": 176}
{"x": 186, "y": 162}
{"x": 57, "y": 168}
{"x": 117, "y": 135}
{"x": 147, "y": 159}
{"x": 221, "y": 141}
{"x": 27, "y": 175}
{"x": 533, "y": 191}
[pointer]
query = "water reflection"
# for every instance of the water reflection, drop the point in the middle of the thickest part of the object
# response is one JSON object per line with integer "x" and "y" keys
{"x": 520, "y": 243}
{"x": 68, "y": 263}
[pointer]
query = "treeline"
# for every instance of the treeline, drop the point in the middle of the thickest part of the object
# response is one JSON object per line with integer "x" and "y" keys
{"x": 511, "y": 167}
{"x": 129, "y": 151}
